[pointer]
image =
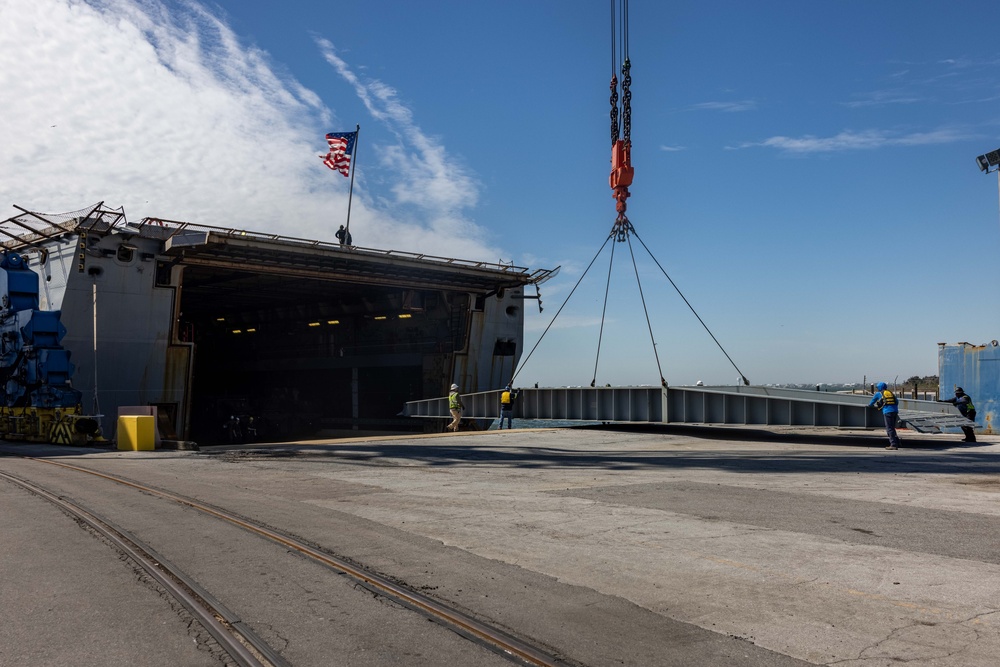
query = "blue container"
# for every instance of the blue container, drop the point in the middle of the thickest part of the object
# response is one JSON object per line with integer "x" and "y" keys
{"x": 976, "y": 369}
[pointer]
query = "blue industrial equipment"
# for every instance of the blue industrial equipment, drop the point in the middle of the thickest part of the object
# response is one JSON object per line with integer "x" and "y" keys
{"x": 35, "y": 370}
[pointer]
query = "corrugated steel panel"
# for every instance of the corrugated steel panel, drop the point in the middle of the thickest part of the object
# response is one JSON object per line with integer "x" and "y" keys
{"x": 744, "y": 406}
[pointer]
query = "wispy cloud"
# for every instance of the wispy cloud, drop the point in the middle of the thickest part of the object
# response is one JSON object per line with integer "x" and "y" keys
{"x": 540, "y": 321}
{"x": 949, "y": 81}
{"x": 670, "y": 149}
{"x": 964, "y": 62}
{"x": 850, "y": 140}
{"x": 882, "y": 98}
{"x": 166, "y": 111}
{"x": 726, "y": 107}
{"x": 146, "y": 107}
{"x": 429, "y": 178}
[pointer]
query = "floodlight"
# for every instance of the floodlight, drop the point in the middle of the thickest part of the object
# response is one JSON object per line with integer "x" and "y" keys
{"x": 989, "y": 162}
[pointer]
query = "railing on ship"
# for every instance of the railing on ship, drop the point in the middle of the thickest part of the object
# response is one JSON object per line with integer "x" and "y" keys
{"x": 28, "y": 228}
{"x": 177, "y": 227}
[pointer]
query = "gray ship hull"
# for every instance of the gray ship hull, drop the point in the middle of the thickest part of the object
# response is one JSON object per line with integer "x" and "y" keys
{"x": 211, "y": 325}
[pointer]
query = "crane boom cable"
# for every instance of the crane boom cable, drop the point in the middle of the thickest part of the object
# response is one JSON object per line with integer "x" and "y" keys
{"x": 614, "y": 61}
{"x": 614, "y": 79}
{"x": 600, "y": 335}
{"x": 681, "y": 294}
{"x": 626, "y": 79}
{"x": 624, "y": 30}
{"x": 535, "y": 347}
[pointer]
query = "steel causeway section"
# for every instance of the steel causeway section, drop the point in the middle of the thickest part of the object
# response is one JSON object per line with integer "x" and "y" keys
{"x": 744, "y": 406}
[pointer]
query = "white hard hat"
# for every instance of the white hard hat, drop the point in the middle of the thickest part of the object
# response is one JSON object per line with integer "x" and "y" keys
{"x": 454, "y": 387}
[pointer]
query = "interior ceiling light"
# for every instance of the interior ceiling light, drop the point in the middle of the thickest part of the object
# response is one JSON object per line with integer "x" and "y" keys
{"x": 236, "y": 331}
{"x": 314, "y": 324}
{"x": 405, "y": 316}
{"x": 333, "y": 321}
{"x": 380, "y": 317}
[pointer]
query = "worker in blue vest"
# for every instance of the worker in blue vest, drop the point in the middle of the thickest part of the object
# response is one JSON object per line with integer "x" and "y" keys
{"x": 887, "y": 402}
{"x": 507, "y": 397}
{"x": 963, "y": 402}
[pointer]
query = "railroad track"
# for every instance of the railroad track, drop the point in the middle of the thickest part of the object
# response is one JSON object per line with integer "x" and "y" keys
{"x": 239, "y": 641}
{"x": 229, "y": 631}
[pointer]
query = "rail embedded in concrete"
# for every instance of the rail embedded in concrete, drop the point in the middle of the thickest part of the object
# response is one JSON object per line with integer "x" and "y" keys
{"x": 745, "y": 406}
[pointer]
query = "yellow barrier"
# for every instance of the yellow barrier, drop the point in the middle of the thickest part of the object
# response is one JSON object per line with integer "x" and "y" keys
{"x": 135, "y": 433}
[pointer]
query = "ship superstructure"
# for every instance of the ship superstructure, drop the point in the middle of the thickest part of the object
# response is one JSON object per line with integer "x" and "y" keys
{"x": 212, "y": 325}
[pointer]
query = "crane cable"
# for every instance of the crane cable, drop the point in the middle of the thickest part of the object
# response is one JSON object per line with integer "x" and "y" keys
{"x": 621, "y": 178}
{"x": 521, "y": 366}
{"x": 621, "y": 135}
{"x": 600, "y": 335}
{"x": 626, "y": 78}
{"x": 681, "y": 294}
{"x": 614, "y": 80}
{"x": 630, "y": 231}
{"x": 663, "y": 381}
{"x": 642, "y": 297}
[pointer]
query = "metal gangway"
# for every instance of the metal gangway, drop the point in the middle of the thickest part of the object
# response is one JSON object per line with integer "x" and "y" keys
{"x": 707, "y": 405}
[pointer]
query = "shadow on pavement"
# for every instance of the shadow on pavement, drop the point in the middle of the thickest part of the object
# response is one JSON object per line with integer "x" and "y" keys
{"x": 868, "y": 454}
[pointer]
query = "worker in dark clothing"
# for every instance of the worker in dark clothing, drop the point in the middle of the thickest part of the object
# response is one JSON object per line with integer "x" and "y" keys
{"x": 963, "y": 402}
{"x": 233, "y": 431}
{"x": 344, "y": 236}
{"x": 887, "y": 402}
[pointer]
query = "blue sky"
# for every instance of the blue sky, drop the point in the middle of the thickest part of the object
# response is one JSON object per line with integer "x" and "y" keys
{"x": 804, "y": 170}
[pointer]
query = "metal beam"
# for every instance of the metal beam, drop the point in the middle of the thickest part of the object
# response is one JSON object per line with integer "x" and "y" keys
{"x": 744, "y": 406}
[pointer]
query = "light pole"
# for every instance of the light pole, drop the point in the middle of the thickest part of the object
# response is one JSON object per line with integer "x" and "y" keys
{"x": 990, "y": 162}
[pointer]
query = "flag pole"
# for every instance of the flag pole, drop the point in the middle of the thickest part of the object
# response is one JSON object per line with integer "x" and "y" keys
{"x": 354, "y": 167}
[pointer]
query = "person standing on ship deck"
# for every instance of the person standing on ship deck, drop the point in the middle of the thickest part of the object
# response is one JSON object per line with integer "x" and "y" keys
{"x": 456, "y": 407}
{"x": 886, "y": 401}
{"x": 344, "y": 236}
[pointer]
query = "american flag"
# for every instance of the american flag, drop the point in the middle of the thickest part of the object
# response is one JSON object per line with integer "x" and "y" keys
{"x": 341, "y": 149}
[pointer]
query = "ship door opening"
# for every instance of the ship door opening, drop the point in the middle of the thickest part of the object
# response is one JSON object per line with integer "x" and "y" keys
{"x": 277, "y": 358}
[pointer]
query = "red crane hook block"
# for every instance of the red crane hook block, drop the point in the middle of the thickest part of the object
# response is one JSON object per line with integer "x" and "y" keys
{"x": 621, "y": 172}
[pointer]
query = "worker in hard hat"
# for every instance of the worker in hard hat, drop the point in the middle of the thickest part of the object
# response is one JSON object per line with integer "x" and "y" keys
{"x": 507, "y": 397}
{"x": 456, "y": 407}
{"x": 887, "y": 402}
{"x": 963, "y": 402}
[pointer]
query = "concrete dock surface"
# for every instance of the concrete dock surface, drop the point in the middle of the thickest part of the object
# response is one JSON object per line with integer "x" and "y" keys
{"x": 653, "y": 545}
